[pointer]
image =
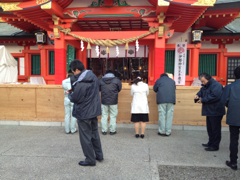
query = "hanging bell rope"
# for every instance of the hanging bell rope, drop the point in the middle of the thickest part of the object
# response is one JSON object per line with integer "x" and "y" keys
{"x": 107, "y": 42}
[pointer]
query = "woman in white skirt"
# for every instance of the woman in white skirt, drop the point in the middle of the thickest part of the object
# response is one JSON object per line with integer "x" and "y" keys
{"x": 139, "y": 106}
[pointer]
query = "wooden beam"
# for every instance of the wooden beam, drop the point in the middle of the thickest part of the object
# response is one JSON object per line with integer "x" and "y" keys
{"x": 53, "y": 8}
{"x": 109, "y": 35}
{"x": 104, "y": 12}
{"x": 162, "y": 6}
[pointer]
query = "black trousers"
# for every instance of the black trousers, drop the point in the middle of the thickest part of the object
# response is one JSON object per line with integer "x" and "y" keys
{"x": 233, "y": 147}
{"x": 90, "y": 139}
{"x": 214, "y": 130}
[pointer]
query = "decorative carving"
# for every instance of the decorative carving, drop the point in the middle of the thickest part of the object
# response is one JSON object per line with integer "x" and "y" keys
{"x": 161, "y": 31}
{"x": 204, "y": 3}
{"x": 76, "y": 13}
{"x": 97, "y": 4}
{"x": 130, "y": 52}
{"x": 120, "y": 3}
{"x": 103, "y": 52}
{"x": 10, "y": 6}
{"x": 143, "y": 11}
{"x": 56, "y": 22}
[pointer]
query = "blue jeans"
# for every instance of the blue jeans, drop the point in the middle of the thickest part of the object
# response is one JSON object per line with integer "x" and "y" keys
{"x": 106, "y": 110}
{"x": 165, "y": 111}
{"x": 69, "y": 120}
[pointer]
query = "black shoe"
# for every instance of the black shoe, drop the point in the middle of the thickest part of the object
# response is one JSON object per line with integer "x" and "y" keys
{"x": 205, "y": 145}
{"x": 100, "y": 159}
{"x": 104, "y": 133}
{"x": 211, "y": 149}
{"x": 232, "y": 166}
{"x": 113, "y": 133}
{"x": 142, "y": 136}
{"x": 161, "y": 134}
{"x": 83, "y": 163}
{"x": 137, "y": 135}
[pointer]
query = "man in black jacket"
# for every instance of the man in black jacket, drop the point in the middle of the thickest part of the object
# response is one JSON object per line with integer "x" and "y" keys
{"x": 85, "y": 97}
{"x": 210, "y": 95}
{"x": 165, "y": 89}
{"x": 110, "y": 86}
{"x": 232, "y": 101}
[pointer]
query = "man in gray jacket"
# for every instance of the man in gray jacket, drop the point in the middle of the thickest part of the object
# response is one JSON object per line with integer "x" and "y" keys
{"x": 231, "y": 99}
{"x": 165, "y": 89}
{"x": 109, "y": 87}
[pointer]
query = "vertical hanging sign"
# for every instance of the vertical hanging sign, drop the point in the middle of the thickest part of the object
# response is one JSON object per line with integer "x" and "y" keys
{"x": 180, "y": 63}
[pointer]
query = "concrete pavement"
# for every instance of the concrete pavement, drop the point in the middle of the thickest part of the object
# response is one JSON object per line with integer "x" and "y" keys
{"x": 37, "y": 152}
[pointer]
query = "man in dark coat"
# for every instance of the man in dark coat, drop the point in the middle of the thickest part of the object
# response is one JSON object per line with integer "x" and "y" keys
{"x": 165, "y": 89}
{"x": 109, "y": 87}
{"x": 231, "y": 99}
{"x": 210, "y": 95}
{"x": 85, "y": 97}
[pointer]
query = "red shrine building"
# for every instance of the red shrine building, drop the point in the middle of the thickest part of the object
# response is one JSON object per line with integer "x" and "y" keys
{"x": 130, "y": 37}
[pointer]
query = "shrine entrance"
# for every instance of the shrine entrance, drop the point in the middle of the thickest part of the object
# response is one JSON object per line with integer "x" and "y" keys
{"x": 126, "y": 69}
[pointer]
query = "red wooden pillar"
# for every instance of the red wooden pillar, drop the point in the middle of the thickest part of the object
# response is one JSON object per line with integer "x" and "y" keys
{"x": 150, "y": 64}
{"x": 82, "y": 56}
{"x": 222, "y": 68}
{"x": 27, "y": 64}
{"x": 159, "y": 58}
{"x": 60, "y": 59}
{"x": 43, "y": 56}
{"x": 195, "y": 60}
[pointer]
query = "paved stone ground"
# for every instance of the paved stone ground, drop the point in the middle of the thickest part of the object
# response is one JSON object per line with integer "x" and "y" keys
{"x": 198, "y": 173}
{"x": 31, "y": 152}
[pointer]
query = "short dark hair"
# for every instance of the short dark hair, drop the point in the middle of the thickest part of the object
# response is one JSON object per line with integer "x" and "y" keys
{"x": 109, "y": 71}
{"x": 163, "y": 74}
{"x": 205, "y": 75}
{"x": 70, "y": 73}
{"x": 76, "y": 64}
{"x": 237, "y": 72}
{"x": 138, "y": 79}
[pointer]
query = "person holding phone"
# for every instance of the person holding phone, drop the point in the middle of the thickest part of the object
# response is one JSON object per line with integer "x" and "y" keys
{"x": 210, "y": 95}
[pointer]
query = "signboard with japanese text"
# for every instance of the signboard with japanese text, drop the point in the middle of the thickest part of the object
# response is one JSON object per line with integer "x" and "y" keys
{"x": 180, "y": 63}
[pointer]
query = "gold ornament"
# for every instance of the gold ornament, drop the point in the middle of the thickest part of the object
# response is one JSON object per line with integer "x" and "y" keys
{"x": 204, "y": 3}
{"x": 10, "y": 6}
{"x": 127, "y": 46}
{"x": 47, "y": 5}
{"x": 88, "y": 46}
{"x": 107, "y": 50}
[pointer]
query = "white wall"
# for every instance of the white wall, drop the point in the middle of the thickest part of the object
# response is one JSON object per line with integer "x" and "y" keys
{"x": 180, "y": 37}
{"x": 208, "y": 45}
{"x": 34, "y": 47}
{"x": 13, "y": 48}
{"x": 235, "y": 47}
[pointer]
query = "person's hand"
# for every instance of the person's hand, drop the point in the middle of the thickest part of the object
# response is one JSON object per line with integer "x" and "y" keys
{"x": 200, "y": 100}
{"x": 196, "y": 97}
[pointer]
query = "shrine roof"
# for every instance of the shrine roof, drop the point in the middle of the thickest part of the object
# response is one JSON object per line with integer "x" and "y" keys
{"x": 181, "y": 16}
